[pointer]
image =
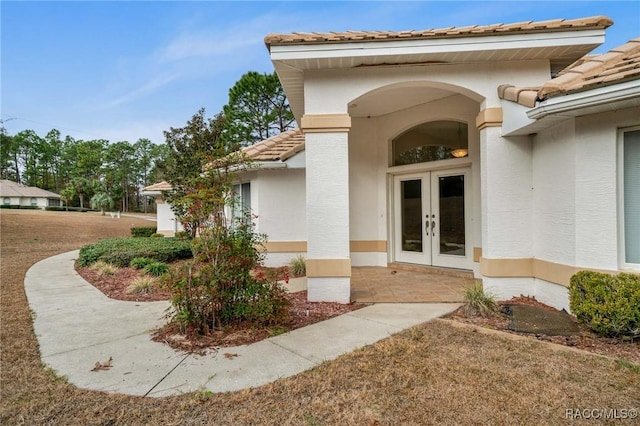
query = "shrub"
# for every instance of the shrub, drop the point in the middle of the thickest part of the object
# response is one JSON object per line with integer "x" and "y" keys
{"x": 156, "y": 235}
{"x": 156, "y": 268}
{"x": 104, "y": 268}
{"x": 121, "y": 251}
{"x": 140, "y": 262}
{"x": 607, "y": 304}
{"x": 141, "y": 285}
{"x": 55, "y": 208}
{"x": 182, "y": 235}
{"x": 218, "y": 288}
{"x": 298, "y": 266}
{"x": 143, "y": 231}
{"x": 478, "y": 302}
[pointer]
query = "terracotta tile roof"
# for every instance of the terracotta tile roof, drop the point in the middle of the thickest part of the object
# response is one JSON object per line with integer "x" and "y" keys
{"x": 160, "y": 186}
{"x": 450, "y": 32}
{"x": 277, "y": 148}
{"x": 616, "y": 66}
{"x": 9, "y": 188}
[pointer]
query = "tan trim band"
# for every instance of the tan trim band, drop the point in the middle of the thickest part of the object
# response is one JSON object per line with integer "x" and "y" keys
{"x": 490, "y": 117}
{"x": 285, "y": 246}
{"x": 325, "y": 123}
{"x": 364, "y": 246}
{"x": 378, "y": 246}
{"x": 328, "y": 268}
{"x": 556, "y": 273}
{"x": 477, "y": 254}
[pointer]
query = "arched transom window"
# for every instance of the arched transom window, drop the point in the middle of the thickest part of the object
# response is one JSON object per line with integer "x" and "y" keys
{"x": 432, "y": 141}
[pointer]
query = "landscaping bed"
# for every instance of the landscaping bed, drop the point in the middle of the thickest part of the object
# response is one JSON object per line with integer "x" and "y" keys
{"x": 585, "y": 340}
{"x": 301, "y": 312}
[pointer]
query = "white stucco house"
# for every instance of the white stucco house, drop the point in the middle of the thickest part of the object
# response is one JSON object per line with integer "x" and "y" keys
{"x": 505, "y": 150}
{"x": 16, "y": 194}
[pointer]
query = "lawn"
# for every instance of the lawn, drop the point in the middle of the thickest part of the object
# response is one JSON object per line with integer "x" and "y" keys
{"x": 432, "y": 374}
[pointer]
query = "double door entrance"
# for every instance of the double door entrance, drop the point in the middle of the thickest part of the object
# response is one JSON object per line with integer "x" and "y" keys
{"x": 432, "y": 218}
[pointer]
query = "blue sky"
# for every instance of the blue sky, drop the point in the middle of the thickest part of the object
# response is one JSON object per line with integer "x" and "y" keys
{"x": 128, "y": 70}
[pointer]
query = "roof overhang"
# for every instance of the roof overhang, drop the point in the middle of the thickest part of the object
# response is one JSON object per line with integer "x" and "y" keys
{"x": 560, "y": 48}
{"x": 519, "y": 120}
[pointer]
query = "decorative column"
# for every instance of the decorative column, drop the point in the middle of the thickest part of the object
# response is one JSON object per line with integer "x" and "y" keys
{"x": 327, "y": 186}
{"x": 506, "y": 204}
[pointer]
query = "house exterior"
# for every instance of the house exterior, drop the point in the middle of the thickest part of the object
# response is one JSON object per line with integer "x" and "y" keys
{"x": 466, "y": 148}
{"x": 166, "y": 222}
{"x": 15, "y": 194}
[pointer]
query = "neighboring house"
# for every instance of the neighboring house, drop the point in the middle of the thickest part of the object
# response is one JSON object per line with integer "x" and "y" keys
{"x": 15, "y": 194}
{"x": 466, "y": 148}
{"x": 166, "y": 222}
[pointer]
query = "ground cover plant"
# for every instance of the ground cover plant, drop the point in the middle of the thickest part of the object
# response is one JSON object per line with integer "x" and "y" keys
{"x": 121, "y": 251}
{"x": 432, "y": 374}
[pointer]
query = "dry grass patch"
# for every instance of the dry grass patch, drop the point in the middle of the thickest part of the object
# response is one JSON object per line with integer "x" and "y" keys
{"x": 432, "y": 374}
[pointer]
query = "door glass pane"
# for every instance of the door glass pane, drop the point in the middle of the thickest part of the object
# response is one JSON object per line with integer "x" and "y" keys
{"x": 631, "y": 166}
{"x": 451, "y": 193}
{"x": 411, "y": 207}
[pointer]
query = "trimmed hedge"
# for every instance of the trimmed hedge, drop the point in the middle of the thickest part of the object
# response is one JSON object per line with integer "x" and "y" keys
{"x": 143, "y": 231}
{"x": 121, "y": 251}
{"x": 16, "y": 206}
{"x": 607, "y": 304}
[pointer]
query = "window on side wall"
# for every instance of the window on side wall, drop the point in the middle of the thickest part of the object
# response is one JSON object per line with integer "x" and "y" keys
{"x": 629, "y": 179}
{"x": 6, "y": 201}
{"x": 34, "y": 202}
{"x": 242, "y": 206}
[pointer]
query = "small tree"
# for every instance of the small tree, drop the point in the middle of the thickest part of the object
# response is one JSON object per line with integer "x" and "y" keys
{"x": 102, "y": 202}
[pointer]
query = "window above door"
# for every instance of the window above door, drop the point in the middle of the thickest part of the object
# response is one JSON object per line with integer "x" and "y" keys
{"x": 432, "y": 141}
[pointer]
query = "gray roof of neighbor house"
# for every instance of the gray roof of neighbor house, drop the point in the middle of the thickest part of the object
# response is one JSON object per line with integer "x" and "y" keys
{"x": 616, "y": 66}
{"x": 9, "y": 188}
{"x": 277, "y": 148}
{"x": 449, "y": 32}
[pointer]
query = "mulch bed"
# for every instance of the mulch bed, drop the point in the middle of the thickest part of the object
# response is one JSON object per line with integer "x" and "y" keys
{"x": 586, "y": 340}
{"x": 301, "y": 313}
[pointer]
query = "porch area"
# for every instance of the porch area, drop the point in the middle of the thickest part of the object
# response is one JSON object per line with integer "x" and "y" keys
{"x": 400, "y": 283}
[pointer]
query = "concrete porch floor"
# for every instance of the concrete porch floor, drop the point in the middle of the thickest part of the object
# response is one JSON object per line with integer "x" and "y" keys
{"x": 401, "y": 283}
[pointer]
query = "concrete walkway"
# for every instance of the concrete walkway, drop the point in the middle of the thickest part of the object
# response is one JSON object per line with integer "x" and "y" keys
{"x": 77, "y": 326}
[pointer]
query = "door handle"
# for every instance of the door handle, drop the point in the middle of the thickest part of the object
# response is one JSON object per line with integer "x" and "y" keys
{"x": 426, "y": 226}
{"x": 433, "y": 225}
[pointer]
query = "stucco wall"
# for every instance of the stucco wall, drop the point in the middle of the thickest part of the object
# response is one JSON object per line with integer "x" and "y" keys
{"x": 166, "y": 220}
{"x": 280, "y": 204}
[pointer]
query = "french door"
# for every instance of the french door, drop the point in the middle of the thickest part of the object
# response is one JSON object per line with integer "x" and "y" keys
{"x": 431, "y": 219}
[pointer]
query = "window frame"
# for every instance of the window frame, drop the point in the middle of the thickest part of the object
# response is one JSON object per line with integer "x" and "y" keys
{"x": 622, "y": 263}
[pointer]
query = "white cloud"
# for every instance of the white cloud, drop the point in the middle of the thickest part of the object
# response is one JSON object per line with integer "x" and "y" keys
{"x": 146, "y": 88}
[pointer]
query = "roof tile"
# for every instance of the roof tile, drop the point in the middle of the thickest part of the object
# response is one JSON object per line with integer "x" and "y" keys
{"x": 475, "y": 30}
{"x": 277, "y": 148}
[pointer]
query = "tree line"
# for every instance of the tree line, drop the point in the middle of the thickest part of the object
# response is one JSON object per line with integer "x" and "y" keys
{"x": 114, "y": 174}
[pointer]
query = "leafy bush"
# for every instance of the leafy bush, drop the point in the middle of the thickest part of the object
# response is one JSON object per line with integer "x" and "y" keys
{"x": 10, "y": 206}
{"x": 140, "y": 262}
{"x": 141, "y": 285}
{"x": 143, "y": 231}
{"x": 156, "y": 235}
{"x": 182, "y": 235}
{"x": 121, "y": 251}
{"x": 478, "y": 302}
{"x": 218, "y": 288}
{"x": 607, "y": 304}
{"x": 156, "y": 268}
{"x": 298, "y": 266}
{"x": 55, "y": 208}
